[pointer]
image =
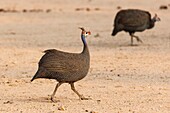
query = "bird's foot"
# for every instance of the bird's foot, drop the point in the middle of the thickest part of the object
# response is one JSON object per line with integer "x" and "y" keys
{"x": 55, "y": 101}
{"x": 133, "y": 45}
{"x": 84, "y": 98}
{"x": 52, "y": 99}
{"x": 139, "y": 40}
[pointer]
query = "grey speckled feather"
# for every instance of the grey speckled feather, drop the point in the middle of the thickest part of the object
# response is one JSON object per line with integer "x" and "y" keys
{"x": 133, "y": 20}
{"x": 65, "y": 67}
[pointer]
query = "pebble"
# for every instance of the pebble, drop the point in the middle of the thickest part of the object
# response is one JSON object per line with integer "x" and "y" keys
{"x": 8, "y": 102}
{"x": 61, "y": 108}
{"x": 164, "y": 7}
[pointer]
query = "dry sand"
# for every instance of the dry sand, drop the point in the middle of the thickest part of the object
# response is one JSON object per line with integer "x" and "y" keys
{"x": 122, "y": 79}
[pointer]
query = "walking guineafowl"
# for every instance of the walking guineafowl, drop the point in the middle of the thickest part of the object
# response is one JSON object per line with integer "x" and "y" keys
{"x": 133, "y": 20}
{"x": 65, "y": 67}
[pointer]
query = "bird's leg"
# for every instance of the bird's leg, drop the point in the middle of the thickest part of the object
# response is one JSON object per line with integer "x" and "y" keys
{"x": 131, "y": 34}
{"x": 80, "y": 96}
{"x": 52, "y": 96}
{"x": 137, "y": 38}
{"x": 131, "y": 40}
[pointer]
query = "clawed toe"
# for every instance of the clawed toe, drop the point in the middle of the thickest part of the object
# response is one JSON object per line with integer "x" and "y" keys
{"x": 140, "y": 41}
{"x": 52, "y": 99}
{"x": 84, "y": 98}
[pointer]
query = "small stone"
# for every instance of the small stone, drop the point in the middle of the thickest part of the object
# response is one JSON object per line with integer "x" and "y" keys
{"x": 48, "y": 10}
{"x": 61, "y": 108}
{"x": 164, "y": 7}
{"x": 7, "y": 82}
{"x": 79, "y": 9}
{"x": 87, "y": 9}
{"x": 98, "y": 101}
{"x": 24, "y": 10}
{"x": 86, "y": 110}
{"x": 93, "y": 112}
{"x": 2, "y": 10}
{"x": 8, "y": 102}
{"x": 119, "y": 7}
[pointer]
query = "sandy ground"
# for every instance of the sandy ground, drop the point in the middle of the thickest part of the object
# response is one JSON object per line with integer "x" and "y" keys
{"x": 122, "y": 78}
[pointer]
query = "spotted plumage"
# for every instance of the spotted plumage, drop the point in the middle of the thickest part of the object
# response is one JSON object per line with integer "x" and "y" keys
{"x": 133, "y": 20}
{"x": 65, "y": 67}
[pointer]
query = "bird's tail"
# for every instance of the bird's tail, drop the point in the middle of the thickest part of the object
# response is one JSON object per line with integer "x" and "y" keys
{"x": 114, "y": 32}
{"x": 39, "y": 74}
{"x": 35, "y": 76}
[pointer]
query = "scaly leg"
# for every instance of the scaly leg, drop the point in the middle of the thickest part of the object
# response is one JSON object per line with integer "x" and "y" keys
{"x": 137, "y": 38}
{"x": 131, "y": 40}
{"x": 52, "y": 96}
{"x": 80, "y": 96}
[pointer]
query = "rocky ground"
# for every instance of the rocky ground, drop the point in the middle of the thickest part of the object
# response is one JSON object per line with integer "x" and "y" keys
{"x": 122, "y": 78}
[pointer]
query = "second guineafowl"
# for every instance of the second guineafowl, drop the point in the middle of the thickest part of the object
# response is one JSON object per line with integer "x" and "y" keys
{"x": 133, "y": 20}
{"x": 65, "y": 67}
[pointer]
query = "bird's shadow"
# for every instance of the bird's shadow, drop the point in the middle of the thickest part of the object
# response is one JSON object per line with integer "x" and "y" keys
{"x": 117, "y": 45}
{"x": 46, "y": 99}
{"x": 38, "y": 99}
{"x": 128, "y": 45}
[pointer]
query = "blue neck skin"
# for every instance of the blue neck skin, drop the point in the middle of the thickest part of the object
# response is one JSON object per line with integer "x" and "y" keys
{"x": 85, "y": 48}
{"x": 83, "y": 39}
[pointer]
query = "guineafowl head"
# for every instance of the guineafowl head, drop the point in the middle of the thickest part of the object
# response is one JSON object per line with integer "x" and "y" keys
{"x": 153, "y": 20}
{"x": 84, "y": 32}
{"x": 156, "y": 18}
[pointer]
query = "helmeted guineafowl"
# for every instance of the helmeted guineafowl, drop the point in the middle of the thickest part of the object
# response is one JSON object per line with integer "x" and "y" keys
{"x": 133, "y": 20}
{"x": 65, "y": 67}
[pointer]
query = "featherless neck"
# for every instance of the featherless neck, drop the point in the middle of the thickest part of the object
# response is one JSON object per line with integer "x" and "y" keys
{"x": 152, "y": 23}
{"x": 85, "y": 48}
{"x": 83, "y": 39}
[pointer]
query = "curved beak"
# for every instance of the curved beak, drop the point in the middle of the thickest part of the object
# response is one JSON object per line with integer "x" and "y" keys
{"x": 158, "y": 19}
